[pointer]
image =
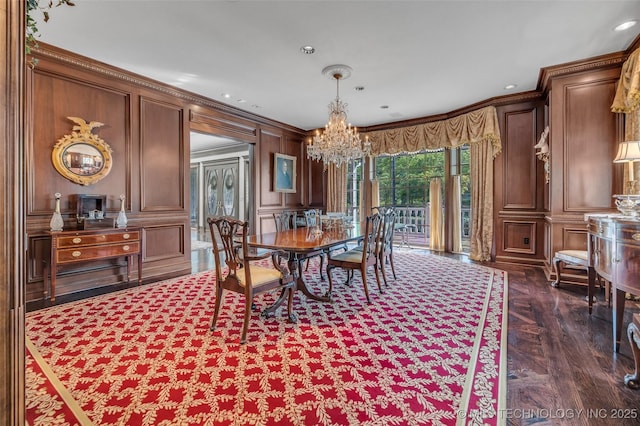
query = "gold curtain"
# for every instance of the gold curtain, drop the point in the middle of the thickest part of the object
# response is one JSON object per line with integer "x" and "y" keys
{"x": 436, "y": 225}
{"x": 481, "y": 202}
{"x": 456, "y": 215}
{"x": 375, "y": 193}
{"x": 474, "y": 127}
{"x": 627, "y": 101}
{"x": 480, "y": 130}
{"x": 336, "y": 187}
{"x": 627, "y": 97}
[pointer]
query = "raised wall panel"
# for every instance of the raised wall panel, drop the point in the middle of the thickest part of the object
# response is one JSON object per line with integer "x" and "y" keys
{"x": 519, "y": 159}
{"x": 162, "y": 157}
{"x": 590, "y": 145}
{"x": 515, "y": 233}
{"x": 164, "y": 241}
{"x": 317, "y": 183}
{"x": 57, "y": 99}
{"x": 574, "y": 237}
{"x": 269, "y": 144}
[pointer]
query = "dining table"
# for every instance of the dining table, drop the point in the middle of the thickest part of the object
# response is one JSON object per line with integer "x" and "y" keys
{"x": 300, "y": 244}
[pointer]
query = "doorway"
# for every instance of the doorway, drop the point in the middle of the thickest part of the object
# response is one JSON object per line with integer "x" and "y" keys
{"x": 219, "y": 182}
{"x": 404, "y": 183}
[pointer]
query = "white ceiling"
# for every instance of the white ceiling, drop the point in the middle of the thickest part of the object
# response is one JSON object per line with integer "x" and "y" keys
{"x": 419, "y": 58}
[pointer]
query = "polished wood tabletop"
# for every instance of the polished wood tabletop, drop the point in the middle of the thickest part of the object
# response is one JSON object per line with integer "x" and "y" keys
{"x": 300, "y": 244}
{"x": 305, "y": 240}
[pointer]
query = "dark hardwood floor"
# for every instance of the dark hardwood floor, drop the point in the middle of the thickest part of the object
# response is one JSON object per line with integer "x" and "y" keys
{"x": 561, "y": 366}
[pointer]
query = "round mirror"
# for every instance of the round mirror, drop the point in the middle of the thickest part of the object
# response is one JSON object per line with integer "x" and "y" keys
{"x": 82, "y": 157}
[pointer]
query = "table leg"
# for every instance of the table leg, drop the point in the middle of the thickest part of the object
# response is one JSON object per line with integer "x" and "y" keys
{"x": 269, "y": 311}
{"x": 633, "y": 380}
{"x": 618, "y": 315}
{"x": 295, "y": 263}
{"x": 591, "y": 272}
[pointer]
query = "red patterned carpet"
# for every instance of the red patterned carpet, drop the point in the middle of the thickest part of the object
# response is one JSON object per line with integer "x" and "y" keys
{"x": 430, "y": 350}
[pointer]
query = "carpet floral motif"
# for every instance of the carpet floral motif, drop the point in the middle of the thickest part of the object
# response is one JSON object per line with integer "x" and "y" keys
{"x": 427, "y": 351}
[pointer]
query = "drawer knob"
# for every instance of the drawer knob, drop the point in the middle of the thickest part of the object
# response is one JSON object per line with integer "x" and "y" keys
{"x": 76, "y": 253}
{"x": 636, "y": 237}
{"x": 77, "y": 240}
{"x": 126, "y": 236}
{"x": 126, "y": 248}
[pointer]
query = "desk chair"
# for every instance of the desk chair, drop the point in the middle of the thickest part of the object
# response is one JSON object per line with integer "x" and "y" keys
{"x": 230, "y": 246}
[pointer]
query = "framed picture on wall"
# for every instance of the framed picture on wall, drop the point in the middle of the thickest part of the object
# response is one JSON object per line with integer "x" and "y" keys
{"x": 284, "y": 173}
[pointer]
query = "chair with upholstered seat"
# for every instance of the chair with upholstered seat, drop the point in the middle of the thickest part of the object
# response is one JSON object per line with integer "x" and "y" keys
{"x": 230, "y": 248}
{"x": 576, "y": 258}
{"x": 361, "y": 259}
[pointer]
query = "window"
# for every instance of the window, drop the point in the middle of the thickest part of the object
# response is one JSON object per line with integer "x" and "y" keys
{"x": 354, "y": 177}
{"x": 404, "y": 179}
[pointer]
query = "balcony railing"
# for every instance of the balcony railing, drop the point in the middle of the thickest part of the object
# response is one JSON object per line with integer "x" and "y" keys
{"x": 418, "y": 219}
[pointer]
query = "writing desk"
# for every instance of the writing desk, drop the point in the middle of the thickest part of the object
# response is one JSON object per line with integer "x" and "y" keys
{"x": 300, "y": 244}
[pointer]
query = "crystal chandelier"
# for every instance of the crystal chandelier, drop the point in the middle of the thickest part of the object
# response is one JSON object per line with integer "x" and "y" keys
{"x": 340, "y": 142}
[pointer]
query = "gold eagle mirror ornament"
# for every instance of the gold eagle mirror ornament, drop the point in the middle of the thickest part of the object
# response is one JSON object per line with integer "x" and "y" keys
{"x": 82, "y": 157}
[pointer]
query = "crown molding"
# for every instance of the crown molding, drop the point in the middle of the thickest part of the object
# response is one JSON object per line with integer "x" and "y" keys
{"x": 82, "y": 62}
{"x": 611, "y": 60}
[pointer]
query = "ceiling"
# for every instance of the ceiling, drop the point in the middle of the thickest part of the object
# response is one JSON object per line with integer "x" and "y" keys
{"x": 417, "y": 58}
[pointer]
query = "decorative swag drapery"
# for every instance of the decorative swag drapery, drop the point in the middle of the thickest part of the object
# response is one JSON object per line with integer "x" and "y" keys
{"x": 480, "y": 126}
{"x": 481, "y": 131}
{"x": 627, "y": 101}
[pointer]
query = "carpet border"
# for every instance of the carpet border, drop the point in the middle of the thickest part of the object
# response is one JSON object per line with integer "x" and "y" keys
{"x": 64, "y": 393}
{"x": 462, "y": 413}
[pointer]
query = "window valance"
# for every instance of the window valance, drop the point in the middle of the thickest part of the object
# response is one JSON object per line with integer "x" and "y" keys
{"x": 627, "y": 97}
{"x": 474, "y": 127}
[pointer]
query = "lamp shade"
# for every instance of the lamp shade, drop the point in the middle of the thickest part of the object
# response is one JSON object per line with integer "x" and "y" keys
{"x": 628, "y": 151}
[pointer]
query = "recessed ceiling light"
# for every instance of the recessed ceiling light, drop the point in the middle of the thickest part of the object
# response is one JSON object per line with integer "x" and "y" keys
{"x": 225, "y": 95}
{"x": 625, "y": 25}
{"x": 358, "y": 88}
{"x": 510, "y": 86}
{"x": 384, "y": 106}
{"x": 241, "y": 101}
{"x": 308, "y": 50}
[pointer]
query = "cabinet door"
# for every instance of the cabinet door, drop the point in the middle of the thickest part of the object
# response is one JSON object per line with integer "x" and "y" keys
{"x": 602, "y": 257}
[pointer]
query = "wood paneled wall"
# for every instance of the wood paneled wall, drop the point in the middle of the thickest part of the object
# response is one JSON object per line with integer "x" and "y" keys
{"x": 534, "y": 219}
{"x": 147, "y": 126}
{"x": 518, "y": 202}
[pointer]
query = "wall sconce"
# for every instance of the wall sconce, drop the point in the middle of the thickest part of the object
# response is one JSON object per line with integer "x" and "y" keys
{"x": 629, "y": 152}
{"x": 543, "y": 153}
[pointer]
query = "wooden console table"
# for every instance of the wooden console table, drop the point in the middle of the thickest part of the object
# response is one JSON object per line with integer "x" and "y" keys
{"x": 76, "y": 246}
{"x": 614, "y": 253}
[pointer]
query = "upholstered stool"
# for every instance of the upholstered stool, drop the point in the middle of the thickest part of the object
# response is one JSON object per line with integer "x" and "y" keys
{"x": 578, "y": 258}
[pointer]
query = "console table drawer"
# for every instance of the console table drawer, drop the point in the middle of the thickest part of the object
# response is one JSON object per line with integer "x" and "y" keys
{"x": 97, "y": 252}
{"x": 92, "y": 239}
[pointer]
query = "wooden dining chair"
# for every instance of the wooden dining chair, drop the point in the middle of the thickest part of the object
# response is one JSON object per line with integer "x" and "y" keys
{"x": 386, "y": 244}
{"x": 285, "y": 220}
{"x": 230, "y": 248}
{"x": 361, "y": 259}
{"x": 312, "y": 218}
